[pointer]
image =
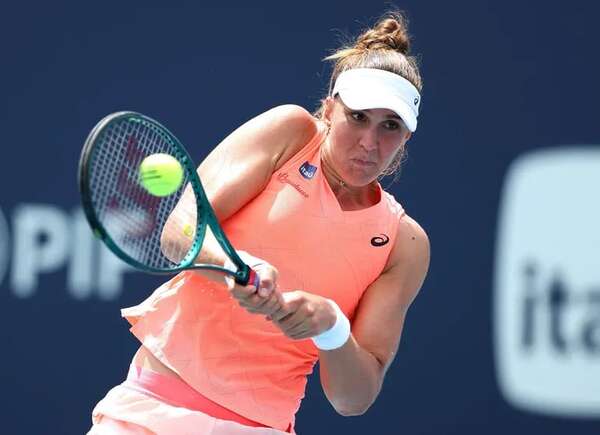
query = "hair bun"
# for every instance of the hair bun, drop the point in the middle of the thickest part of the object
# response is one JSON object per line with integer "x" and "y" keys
{"x": 390, "y": 33}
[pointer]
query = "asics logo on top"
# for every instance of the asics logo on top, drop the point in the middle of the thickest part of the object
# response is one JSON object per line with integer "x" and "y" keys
{"x": 380, "y": 240}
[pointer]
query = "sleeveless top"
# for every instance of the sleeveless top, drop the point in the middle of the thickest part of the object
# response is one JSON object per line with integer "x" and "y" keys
{"x": 241, "y": 360}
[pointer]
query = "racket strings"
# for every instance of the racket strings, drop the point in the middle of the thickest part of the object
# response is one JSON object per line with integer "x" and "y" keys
{"x": 133, "y": 218}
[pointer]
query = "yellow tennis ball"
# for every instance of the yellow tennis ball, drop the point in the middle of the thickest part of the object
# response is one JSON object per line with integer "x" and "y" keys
{"x": 160, "y": 174}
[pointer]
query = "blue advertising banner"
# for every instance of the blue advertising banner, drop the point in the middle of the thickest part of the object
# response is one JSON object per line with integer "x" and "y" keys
{"x": 503, "y": 174}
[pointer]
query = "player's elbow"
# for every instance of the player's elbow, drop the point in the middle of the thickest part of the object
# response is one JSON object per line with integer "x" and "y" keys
{"x": 352, "y": 400}
{"x": 352, "y": 410}
{"x": 167, "y": 250}
{"x": 172, "y": 247}
{"x": 349, "y": 406}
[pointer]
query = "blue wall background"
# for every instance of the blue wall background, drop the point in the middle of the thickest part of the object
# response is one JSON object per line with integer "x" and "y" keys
{"x": 501, "y": 79}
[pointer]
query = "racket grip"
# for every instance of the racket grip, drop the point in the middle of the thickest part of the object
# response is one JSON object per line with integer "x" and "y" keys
{"x": 253, "y": 278}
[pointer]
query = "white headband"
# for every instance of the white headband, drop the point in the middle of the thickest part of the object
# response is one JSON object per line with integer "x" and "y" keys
{"x": 369, "y": 88}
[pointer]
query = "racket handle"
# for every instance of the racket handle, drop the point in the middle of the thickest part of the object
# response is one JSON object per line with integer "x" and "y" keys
{"x": 253, "y": 279}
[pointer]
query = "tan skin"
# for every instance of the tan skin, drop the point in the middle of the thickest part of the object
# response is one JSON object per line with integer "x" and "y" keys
{"x": 361, "y": 144}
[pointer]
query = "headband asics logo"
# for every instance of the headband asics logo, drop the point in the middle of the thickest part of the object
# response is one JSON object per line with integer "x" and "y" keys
{"x": 307, "y": 170}
{"x": 380, "y": 240}
{"x": 4, "y": 246}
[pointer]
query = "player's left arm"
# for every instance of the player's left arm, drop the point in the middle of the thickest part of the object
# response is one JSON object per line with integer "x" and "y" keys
{"x": 352, "y": 375}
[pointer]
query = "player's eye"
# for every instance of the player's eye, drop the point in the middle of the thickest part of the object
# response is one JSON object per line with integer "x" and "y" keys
{"x": 357, "y": 116}
{"x": 391, "y": 125}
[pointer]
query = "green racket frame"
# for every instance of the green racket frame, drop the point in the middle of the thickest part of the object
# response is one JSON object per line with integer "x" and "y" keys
{"x": 205, "y": 215}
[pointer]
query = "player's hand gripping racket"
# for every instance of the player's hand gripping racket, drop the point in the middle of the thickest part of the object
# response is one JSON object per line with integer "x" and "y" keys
{"x": 134, "y": 223}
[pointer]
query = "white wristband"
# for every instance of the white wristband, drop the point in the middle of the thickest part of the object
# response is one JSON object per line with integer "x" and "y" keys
{"x": 336, "y": 336}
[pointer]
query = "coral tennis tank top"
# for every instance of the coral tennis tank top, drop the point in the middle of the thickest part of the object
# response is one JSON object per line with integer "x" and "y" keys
{"x": 240, "y": 360}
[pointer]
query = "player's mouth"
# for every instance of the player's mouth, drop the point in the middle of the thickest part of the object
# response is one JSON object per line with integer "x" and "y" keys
{"x": 363, "y": 163}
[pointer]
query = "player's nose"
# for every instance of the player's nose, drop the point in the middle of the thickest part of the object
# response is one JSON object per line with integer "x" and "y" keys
{"x": 369, "y": 139}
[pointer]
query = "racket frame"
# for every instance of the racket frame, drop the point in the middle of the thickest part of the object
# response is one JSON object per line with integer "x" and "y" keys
{"x": 204, "y": 212}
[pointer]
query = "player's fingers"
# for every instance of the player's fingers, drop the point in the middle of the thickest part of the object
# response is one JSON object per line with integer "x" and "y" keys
{"x": 236, "y": 290}
{"x": 278, "y": 314}
{"x": 289, "y": 323}
{"x": 258, "y": 304}
{"x": 304, "y": 335}
{"x": 252, "y": 301}
{"x": 288, "y": 304}
{"x": 298, "y": 330}
{"x": 260, "y": 309}
{"x": 271, "y": 306}
{"x": 299, "y": 310}
{"x": 242, "y": 292}
{"x": 281, "y": 315}
{"x": 268, "y": 280}
{"x": 301, "y": 322}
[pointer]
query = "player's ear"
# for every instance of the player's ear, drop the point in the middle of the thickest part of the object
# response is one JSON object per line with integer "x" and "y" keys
{"x": 328, "y": 105}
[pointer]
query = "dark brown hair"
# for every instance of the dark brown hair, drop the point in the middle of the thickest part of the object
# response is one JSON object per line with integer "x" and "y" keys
{"x": 386, "y": 46}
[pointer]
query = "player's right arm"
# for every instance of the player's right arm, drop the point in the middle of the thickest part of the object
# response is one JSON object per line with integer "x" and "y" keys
{"x": 236, "y": 171}
{"x": 240, "y": 167}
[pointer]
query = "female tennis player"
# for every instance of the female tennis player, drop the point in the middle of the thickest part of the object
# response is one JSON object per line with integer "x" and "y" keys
{"x": 339, "y": 262}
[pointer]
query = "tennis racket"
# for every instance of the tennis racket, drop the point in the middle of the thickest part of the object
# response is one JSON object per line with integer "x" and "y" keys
{"x": 129, "y": 220}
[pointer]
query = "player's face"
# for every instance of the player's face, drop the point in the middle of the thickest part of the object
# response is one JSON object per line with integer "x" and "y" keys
{"x": 362, "y": 143}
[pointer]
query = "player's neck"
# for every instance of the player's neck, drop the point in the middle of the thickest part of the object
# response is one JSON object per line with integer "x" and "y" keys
{"x": 350, "y": 197}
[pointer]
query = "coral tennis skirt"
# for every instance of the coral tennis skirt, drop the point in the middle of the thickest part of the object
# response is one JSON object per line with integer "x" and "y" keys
{"x": 149, "y": 403}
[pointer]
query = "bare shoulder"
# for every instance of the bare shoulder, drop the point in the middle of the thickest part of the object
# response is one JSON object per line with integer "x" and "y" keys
{"x": 292, "y": 116}
{"x": 411, "y": 236}
{"x": 264, "y": 142}
{"x": 240, "y": 167}
{"x": 295, "y": 127}
{"x": 410, "y": 256}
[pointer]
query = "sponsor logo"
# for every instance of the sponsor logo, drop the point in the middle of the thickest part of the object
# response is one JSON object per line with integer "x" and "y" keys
{"x": 44, "y": 239}
{"x": 284, "y": 178}
{"x": 307, "y": 170}
{"x": 416, "y": 101}
{"x": 380, "y": 240}
{"x": 547, "y": 284}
